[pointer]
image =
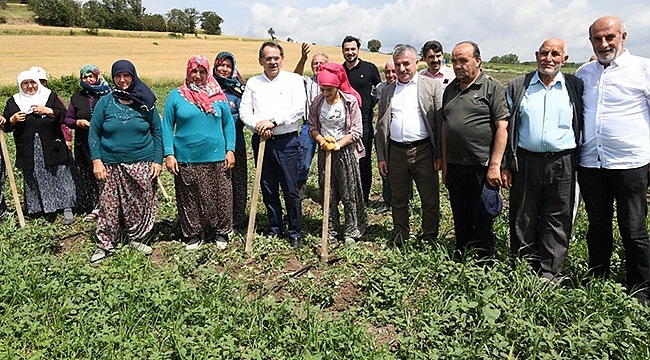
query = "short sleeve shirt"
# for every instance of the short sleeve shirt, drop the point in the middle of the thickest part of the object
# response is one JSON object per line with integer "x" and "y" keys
{"x": 362, "y": 78}
{"x": 470, "y": 118}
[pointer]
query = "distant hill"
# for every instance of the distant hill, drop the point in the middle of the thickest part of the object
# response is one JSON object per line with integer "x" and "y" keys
{"x": 18, "y": 14}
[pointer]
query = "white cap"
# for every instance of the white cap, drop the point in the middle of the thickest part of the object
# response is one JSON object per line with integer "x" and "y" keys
{"x": 42, "y": 75}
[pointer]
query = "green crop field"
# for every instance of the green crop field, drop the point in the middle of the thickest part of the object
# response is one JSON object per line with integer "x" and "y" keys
{"x": 369, "y": 302}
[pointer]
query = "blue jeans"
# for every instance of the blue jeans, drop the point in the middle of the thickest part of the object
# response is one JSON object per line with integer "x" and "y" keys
{"x": 307, "y": 151}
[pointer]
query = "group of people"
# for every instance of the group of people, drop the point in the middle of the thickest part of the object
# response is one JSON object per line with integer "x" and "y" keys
{"x": 539, "y": 137}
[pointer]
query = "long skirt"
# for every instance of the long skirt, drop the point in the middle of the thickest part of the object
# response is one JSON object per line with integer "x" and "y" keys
{"x": 88, "y": 185}
{"x": 345, "y": 188}
{"x": 48, "y": 188}
{"x": 240, "y": 189}
{"x": 204, "y": 198}
{"x": 128, "y": 202}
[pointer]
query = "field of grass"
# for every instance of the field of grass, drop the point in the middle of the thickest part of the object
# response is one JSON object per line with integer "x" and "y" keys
{"x": 156, "y": 55}
{"x": 17, "y": 14}
{"x": 369, "y": 302}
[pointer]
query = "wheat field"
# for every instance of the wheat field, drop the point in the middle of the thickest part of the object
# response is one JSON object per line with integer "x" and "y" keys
{"x": 156, "y": 56}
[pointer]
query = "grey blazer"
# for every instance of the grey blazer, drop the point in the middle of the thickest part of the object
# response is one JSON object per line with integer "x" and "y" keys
{"x": 430, "y": 100}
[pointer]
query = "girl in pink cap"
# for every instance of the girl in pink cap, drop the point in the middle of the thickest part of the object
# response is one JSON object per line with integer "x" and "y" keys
{"x": 335, "y": 124}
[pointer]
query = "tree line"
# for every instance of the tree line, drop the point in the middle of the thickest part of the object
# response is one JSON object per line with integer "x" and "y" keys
{"x": 122, "y": 15}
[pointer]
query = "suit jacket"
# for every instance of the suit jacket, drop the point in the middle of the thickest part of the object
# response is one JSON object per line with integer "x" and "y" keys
{"x": 430, "y": 101}
{"x": 515, "y": 90}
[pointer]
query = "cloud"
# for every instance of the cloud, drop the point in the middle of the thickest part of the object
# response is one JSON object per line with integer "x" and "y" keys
{"x": 498, "y": 26}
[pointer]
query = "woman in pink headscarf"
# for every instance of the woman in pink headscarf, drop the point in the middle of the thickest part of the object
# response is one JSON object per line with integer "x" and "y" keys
{"x": 335, "y": 124}
{"x": 198, "y": 134}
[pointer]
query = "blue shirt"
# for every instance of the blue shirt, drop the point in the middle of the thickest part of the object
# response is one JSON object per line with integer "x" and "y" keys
{"x": 194, "y": 136}
{"x": 546, "y": 117}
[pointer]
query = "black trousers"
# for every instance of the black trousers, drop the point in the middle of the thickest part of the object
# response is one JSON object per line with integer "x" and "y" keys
{"x": 280, "y": 169}
{"x": 541, "y": 204}
{"x": 599, "y": 188}
{"x": 473, "y": 230}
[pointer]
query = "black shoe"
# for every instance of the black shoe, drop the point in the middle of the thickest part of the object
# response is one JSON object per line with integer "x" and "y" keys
{"x": 382, "y": 209}
{"x": 193, "y": 243}
{"x": 296, "y": 242}
{"x": 397, "y": 242}
{"x": 272, "y": 234}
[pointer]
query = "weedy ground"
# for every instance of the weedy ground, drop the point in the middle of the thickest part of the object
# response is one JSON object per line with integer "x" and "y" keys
{"x": 370, "y": 302}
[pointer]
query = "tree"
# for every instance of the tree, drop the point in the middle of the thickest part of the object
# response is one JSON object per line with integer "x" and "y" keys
{"x": 211, "y": 23}
{"x": 154, "y": 22}
{"x": 123, "y": 14}
{"x": 177, "y": 21}
{"x": 57, "y": 12}
{"x": 92, "y": 12}
{"x": 505, "y": 59}
{"x": 374, "y": 45}
{"x": 272, "y": 33}
{"x": 192, "y": 17}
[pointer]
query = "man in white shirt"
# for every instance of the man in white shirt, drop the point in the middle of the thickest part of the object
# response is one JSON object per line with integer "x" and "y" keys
{"x": 615, "y": 153}
{"x": 406, "y": 143}
{"x": 272, "y": 105}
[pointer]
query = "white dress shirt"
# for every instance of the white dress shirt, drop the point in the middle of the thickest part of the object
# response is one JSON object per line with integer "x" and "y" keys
{"x": 407, "y": 122}
{"x": 281, "y": 99}
{"x": 617, "y": 113}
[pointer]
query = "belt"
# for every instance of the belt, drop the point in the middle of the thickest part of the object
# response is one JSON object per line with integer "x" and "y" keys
{"x": 283, "y": 136}
{"x": 546, "y": 154}
{"x": 409, "y": 145}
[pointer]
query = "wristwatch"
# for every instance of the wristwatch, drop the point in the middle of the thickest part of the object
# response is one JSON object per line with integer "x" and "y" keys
{"x": 273, "y": 122}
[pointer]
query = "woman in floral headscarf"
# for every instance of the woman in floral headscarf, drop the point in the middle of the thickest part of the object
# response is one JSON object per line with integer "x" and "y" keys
{"x": 199, "y": 145}
{"x": 232, "y": 84}
{"x": 335, "y": 124}
{"x": 126, "y": 150}
{"x": 80, "y": 111}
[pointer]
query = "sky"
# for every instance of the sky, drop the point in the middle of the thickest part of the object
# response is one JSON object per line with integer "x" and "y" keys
{"x": 498, "y": 26}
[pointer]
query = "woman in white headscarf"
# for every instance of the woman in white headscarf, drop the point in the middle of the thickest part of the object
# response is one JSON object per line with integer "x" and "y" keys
{"x": 35, "y": 115}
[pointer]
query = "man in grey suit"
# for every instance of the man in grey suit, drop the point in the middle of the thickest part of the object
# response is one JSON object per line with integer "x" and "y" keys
{"x": 407, "y": 143}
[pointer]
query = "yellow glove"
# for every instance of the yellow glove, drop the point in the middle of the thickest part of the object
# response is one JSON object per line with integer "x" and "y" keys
{"x": 332, "y": 146}
{"x": 324, "y": 145}
{"x": 327, "y": 144}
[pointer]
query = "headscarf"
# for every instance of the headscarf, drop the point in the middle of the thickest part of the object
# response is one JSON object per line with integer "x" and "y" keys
{"x": 203, "y": 95}
{"x": 137, "y": 92}
{"x": 26, "y": 101}
{"x": 99, "y": 88}
{"x": 40, "y": 72}
{"x": 333, "y": 74}
{"x": 235, "y": 82}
